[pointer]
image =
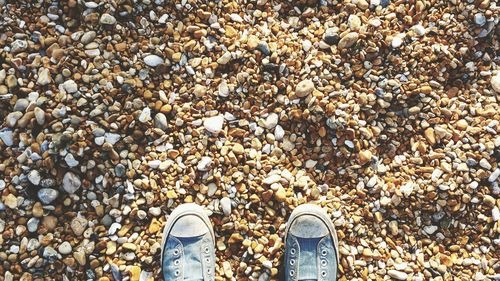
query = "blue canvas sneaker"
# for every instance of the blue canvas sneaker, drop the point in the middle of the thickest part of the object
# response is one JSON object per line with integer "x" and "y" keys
{"x": 311, "y": 245}
{"x": 188, "y": 247}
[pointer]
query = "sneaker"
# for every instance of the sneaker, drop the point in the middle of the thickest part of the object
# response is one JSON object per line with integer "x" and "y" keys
{"x": 188, "y": 247}
{"x": 311, "y": 245}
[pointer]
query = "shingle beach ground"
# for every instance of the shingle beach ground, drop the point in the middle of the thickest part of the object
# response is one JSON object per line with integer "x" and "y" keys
{"x": 114, "y": 112}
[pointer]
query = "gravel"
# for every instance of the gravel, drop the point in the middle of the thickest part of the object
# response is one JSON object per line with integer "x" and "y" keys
{"x": 383, "y": 112}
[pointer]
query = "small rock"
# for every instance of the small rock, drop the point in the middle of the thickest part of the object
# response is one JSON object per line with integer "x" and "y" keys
{"x": 107, "y": 19}
{"x": 71, "y": 182}
{"x": 153, "y": 60}
{"x": 204, "y": 164}
{"x": 39, "y": 115}
{"x": 47, "y": 195}
{"x": 271, "y": 121}
{"x": 10, "y": 201}
{"x": 462, "y": 124}
{"x": 145, "y": 115}
{"x": 7, "y": 137}
{"x": 12, "y": 118}
{"x": 398, "y": 275}
{"x": 78, "y": 225}
{"x": 70, "y": 160}
{"x": 88, "y": 37}
{"x": 43, "y": 77}
{"x": 65, "y": 248}
{"x": 21, "y": 105}
{"x": 225, "y": 58}
{"x": 70, "y": 86}
{"x": 34, "y": 177}
{"x": 331, "y": 36}
{"x": 364, "y": 156}
{"x": 396, "y": 42}
{"x": 223, "y": 89}
{"x": 348, "y": 40}
{"x": 225, "y": 204}
{"x": 214, "y": 124}
{"x": 304, "y": 88}
{"x": 18, "y": 46}
{"x": 479, "y": 19}
{"x": 354, "y": 22}
{"x": 161, "y": 122}
{"x": 495, "y": 82}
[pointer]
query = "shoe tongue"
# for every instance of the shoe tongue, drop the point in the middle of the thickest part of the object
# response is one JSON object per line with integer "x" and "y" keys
{"x": 193, "y": 268}
{"x": 308, "y": 261}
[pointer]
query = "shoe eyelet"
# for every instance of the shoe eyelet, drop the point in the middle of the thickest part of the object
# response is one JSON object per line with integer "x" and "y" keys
{"x": 207, "y": 250}
{"x": 292, "y": 272}
{"x": 292, "y": 251}
{"x": 323, "y": 273}
{"x": 177, "y": 272}
{"x": 324, "y": 252}
{"x": 177, "y": 262}
{"x": 207, "y": 260}
{"x": 176, "y": 252}
{"x": 324, "y": 263}
{"x": 209, "y": 271}
{"x": 292, "y": 262}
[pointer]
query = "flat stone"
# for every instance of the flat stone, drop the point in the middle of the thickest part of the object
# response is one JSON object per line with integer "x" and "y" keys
{"x": 153, "y": 60}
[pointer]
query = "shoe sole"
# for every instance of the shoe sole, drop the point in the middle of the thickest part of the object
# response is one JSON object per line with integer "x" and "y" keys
{"x": 180, "y": 211}
{"x": 317, "y": 211}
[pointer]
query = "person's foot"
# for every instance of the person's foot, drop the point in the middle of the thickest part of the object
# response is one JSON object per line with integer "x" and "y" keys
{"x": 311, "y": 246}
{"x": 188, "y": 247}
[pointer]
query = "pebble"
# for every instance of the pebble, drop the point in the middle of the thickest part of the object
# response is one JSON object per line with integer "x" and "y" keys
{"x": 71, "y": 182}
{"x": 7, "y": 137}
{"x": 214, "y": 124}
{"x": 34, "y": 177}
{"x": 398, "y": 275}
{"x": 304, "y": 88}
{"x": 88, "y": 37}
{"x": 160, "y": 121}
{"x": 12, "y": 118}
{"x": 65, "y": 248}
{"x": 107, "y": 19}
{"x": 204, "y": 164}
{"x": 225, "y": 204}
{"x": 348, "y": 40}
{"x": 331, "y": 36}
{"x": 47, "y": 195}
{"x": 397, "y": 41}
{"x": 70, "y": 86}
{"x": 78, "y": 225}
{"x": 495, "y": 82}
{"x": 153, "y": 60}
